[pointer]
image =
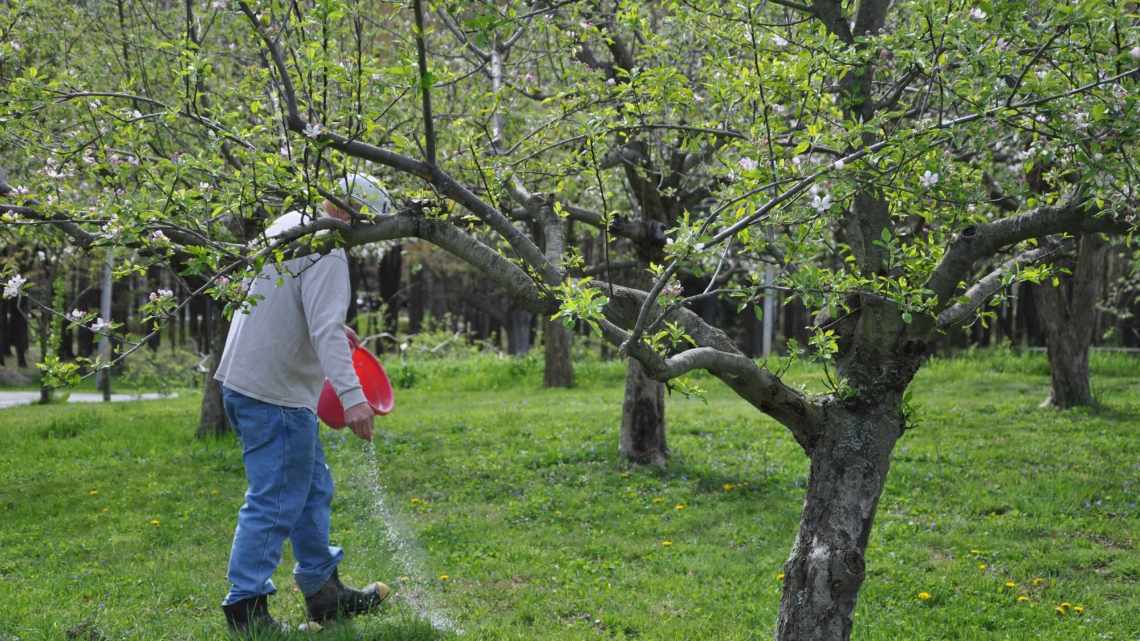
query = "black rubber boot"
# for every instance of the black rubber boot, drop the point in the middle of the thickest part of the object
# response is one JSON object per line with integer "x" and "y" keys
{"x": 334, "y": 600}
{"x": 252, "y": 615}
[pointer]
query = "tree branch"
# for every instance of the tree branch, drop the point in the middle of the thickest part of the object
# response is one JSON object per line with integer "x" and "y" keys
{"x": 977, "y": 295}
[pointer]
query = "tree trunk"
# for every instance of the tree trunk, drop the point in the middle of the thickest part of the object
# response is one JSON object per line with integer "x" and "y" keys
{"x": 643, "y": 418}
{"x": 827, "y": 566}
{"x": 558, "y": 370}
{"x": 1068, "y": 313}
{"x": 212, "y": 416}
{"x": 518, "y": 332}
{"x": 390, "y": 272}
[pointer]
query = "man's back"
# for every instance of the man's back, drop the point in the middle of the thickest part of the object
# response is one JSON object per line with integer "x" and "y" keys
{"x": 293, "y": 337}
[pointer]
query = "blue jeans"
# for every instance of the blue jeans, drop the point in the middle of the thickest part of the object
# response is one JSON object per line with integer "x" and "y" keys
{"x": 289, "y": 496}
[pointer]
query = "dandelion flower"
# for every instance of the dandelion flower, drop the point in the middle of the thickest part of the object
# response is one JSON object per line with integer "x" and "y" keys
{"x": 1021, "y": 598}
{"x": 1060, "y": 611}
{"x": 93, "y": 493}
{"x": 779, "y": 576}
{"x": 728, "y": 487}
{"x": 1038, "y": 580}
{"x": 155, "y": 522}
{"x": 679, "y": 506}
{"x": 923, "y": 596}
{"x": 982, "y": 567}
{"x": 1010, "y": 584}
{"x": 1065, "y": 605}
{"x": 1078, "y": 609}
{"x": 443, "y": 577}
{"x": 666, "y": 543}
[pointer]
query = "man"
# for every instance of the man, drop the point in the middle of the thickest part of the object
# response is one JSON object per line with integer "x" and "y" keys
{"x": 276, "y": 358}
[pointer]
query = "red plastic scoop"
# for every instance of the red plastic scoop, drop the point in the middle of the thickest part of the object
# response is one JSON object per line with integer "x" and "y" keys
{"x": 374, "y": 381}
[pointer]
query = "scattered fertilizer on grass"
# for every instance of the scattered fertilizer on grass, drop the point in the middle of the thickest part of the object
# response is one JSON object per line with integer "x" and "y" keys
{"x": 406, "y": 551}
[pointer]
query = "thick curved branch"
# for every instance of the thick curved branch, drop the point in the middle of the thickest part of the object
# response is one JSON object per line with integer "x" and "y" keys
{"x": 977, "y": 295}
{"x": 718, "y": 354}
{"x": 983, "y": 241}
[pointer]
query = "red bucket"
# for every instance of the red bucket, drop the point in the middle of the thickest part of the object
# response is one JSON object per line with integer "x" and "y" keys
{"x": 374, "y": 381}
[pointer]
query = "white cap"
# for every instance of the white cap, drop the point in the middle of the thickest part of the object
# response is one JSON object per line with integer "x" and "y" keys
{"x": 366, "y": 190}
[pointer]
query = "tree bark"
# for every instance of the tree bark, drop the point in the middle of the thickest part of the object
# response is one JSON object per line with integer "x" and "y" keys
{"x": 827, "y": 565}
{"x": 642, "y": 437}
{"x": 1068, "y": 312}
{"x": 212, "y": 415}
{"x": 558, "y": 370}
{"x": 518, "y": 332}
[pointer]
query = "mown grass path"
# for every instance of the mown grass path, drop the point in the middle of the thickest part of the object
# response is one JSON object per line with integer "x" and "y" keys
{"x": 997, "y": 513}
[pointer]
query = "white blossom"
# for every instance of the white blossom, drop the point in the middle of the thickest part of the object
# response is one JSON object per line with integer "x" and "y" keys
{"x": 1135, "y": 53}
{"x": 160, "y": 294}
{"x": 15, "y": 45}
{"x": 218, "y": 5}
{"x": 20, "y": 190}
{"x": 978, "y": 14}
{"x": 76, "y": 315}
{"x": 611, "y": 81}
{"x": 312, "y": 130}
{"x": 99, "y": 325}
{"x": 12, "y": 287}
{"x": 779, "y": 42}
{"x": 839, "y": 164}
{"x": 158, "y": 237}
{"x": 748, "y": 164}
{"x": 928, "y": 179}
{"x": 820, "y": 202}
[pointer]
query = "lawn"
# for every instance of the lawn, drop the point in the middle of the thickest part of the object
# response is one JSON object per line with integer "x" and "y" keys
{"x": 501, "y": 510}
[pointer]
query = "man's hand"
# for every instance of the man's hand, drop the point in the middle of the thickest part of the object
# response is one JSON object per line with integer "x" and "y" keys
{"x": 352, "y": 337}
{"x": 359, "y": 419}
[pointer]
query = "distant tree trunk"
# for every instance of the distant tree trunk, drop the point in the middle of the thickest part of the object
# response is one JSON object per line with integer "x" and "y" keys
{"x": 1068, "y": 313}
{"x": 558, "y": 370}
{"x": 212, "y": 416}
{"x": 643, "y": 418}
{"x": 390, "y": 271}
{"x": 642, "y": 438}
{"x": 518, "y": 332}
{"x": 418, "y": 298}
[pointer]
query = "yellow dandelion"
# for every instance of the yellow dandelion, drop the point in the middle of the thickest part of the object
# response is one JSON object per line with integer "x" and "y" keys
{"x": 666, "y": 543}
{"x": 779, "y": 576}
{"x": 155, "y": 522}
{"x": 728, "y": 487}
{"x": 443, "y": 577}
{"x": 1060, "y": 611}
{"x": 1038, "y": 580}
{"x": 679, "y": 506}
{"x": 923, "y": 596}
{"x": 214, "y": 492}
{"x": 1078, "y": 609}
{"x": 658, "y": 499}
{"x": 1010, "y": 584}
{"x": 93, "y": 493}
{"x": 1021, "y": 598}
{"x": 975, "y": 552}
{"x": 1065, "y": 605}
{"x": 982, "y": 567}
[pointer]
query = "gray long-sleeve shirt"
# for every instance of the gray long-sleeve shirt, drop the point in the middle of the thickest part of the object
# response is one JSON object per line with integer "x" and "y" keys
{"x": 281, "y": 350}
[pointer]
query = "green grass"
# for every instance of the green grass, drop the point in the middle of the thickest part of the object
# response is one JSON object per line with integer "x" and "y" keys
{"x": 517, "y": 495}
